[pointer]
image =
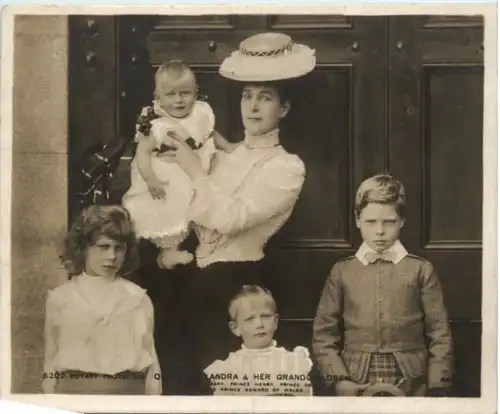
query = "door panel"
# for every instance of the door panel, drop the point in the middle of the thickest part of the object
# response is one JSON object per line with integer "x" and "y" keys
{"x": 435, "y": 147}
{"x": 452, "y": 93}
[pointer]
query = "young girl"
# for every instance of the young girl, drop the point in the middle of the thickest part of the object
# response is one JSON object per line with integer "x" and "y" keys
{"x": 99, "y": 326}
{"x": 260, "y": 367}
{"x": 160, "y": 193}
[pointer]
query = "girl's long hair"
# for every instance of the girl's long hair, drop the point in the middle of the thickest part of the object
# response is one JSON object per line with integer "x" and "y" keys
{"x": 95, "y": 221}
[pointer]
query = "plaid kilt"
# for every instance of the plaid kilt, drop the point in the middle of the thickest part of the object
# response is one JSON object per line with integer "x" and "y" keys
{"x": 383, "y": 368}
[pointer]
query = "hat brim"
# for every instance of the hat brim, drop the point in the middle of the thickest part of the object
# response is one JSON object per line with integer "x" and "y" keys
{"x": 296, "y": 63}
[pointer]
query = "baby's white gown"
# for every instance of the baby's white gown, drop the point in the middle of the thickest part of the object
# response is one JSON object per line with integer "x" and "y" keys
{"x": 167, "y": 219}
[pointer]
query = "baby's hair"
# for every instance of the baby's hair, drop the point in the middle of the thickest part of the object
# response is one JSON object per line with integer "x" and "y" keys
{"x": 172, "y": 70}
{"x": 93, "y": 222}
{"x": 244, "y": 292}
{"x": 381, "y": 188}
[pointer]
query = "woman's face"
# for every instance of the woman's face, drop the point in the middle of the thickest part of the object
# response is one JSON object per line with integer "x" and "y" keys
{"x": 262, "y": 109}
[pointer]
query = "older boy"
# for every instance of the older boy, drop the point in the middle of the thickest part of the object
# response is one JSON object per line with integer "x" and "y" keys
{"x": 386, "y": 305}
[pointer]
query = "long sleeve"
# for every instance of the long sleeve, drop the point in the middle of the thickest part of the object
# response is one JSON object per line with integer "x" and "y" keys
{"x": 436, "y": 329}
{"x": 271, "y": 189}
{"x": 153, "y": 377}
{"x": 326, "y": 330}
{"x": 49, "y": 381}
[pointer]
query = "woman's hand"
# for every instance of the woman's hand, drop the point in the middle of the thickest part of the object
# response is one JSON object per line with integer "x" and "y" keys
{"x": 183, "y": 155}
{"x": 349, "y": 388}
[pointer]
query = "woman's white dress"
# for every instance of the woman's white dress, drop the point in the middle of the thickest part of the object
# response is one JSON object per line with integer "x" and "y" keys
{"x": 167, "y": 219}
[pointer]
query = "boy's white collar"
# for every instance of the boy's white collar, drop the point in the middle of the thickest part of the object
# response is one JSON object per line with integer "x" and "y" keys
{"x": 397, "y": 249}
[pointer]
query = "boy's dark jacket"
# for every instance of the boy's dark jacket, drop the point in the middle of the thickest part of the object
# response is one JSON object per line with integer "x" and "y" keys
{"x": 384, "y": 307}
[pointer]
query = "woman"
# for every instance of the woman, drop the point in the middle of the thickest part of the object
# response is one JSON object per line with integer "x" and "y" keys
{"x": 248, "y": 195}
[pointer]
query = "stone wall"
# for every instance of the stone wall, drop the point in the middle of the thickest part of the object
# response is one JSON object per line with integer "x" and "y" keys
{"x": 39, "y": 192}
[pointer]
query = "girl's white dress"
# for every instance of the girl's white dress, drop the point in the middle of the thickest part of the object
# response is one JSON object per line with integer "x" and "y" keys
{"x": 166, "y": 220}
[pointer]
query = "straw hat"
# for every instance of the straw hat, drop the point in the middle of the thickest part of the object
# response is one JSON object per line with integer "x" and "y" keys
{"x": 268, "y": 57}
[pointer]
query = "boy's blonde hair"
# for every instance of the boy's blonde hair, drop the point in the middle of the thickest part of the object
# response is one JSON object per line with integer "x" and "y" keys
{"x": 172, "y": 70}
{"x": 381, "y": 188}
{"x": 245, "y": 292}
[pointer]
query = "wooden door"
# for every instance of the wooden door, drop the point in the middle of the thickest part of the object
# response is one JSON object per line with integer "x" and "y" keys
{"x": 435, "y": 148}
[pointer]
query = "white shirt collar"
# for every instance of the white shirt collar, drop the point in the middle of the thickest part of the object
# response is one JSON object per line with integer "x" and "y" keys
{"x": 397, "y": 249}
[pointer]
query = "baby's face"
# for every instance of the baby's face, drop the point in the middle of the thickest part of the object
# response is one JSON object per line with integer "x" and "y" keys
{"x": 178, "y": 96}
{"x": 255, "y": 321}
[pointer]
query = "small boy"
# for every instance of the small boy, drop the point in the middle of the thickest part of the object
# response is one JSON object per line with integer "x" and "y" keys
{"x": 386, "y": 305}
{"x": 259, "y": 367}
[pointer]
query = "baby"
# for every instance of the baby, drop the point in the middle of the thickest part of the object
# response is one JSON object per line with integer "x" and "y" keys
{"x": 160, "y": 192}
{"x": 260, "y": 367}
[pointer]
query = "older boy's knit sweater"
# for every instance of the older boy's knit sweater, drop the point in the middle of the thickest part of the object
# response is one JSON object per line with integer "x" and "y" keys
{"x": 384, "y": 307}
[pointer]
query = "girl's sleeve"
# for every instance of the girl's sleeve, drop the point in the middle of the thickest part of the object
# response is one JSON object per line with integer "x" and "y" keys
{"x": 51, "y": 315}
{"x": 272, "y": 190}
{"x": 153, "y": 377}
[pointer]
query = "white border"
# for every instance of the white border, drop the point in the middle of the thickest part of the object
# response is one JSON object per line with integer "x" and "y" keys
{"x": 125, "y": 404}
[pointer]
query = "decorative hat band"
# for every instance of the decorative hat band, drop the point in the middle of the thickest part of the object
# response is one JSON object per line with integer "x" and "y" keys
{"x": 272, "y": 52}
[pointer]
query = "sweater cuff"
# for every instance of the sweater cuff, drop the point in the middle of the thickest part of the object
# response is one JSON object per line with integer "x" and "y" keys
{"x": 438, "y": 378}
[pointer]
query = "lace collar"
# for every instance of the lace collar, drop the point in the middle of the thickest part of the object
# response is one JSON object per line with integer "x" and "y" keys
{"x": 270, "y": 139}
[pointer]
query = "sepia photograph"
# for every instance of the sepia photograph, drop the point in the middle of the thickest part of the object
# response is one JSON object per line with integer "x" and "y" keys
{"x": 248, "y": 204}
